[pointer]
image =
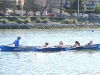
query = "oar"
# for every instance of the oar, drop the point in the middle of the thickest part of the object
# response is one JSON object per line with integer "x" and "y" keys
{"x": 10, "y": 44}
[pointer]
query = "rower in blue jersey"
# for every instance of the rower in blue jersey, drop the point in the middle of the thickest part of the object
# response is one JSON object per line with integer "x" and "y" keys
{"x": 16, "y": 42}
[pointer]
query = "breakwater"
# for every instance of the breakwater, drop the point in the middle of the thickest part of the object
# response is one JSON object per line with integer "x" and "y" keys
{"x": 47, "y": 25}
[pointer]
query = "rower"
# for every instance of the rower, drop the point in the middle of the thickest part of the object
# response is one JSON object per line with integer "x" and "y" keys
{"x": 90, "y": 43}
{"x": 77, "y": 44}
{"x": 60, "y": 45}
{"x": 45, "y": 45}
{"x": 16, "y": 42}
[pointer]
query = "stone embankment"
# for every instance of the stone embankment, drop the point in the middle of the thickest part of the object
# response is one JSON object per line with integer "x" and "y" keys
{"x": 47, "y": 26}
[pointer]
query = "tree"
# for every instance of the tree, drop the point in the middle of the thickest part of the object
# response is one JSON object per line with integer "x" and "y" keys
{"x": 35, "y": 5}
{"x": 71, "y": 6}
{"x": 31, "y": 5}
{"x": 4, "y": 4}
{"x": 1, "y": 4}
{"x": 61, "y": 8}
{"x": 97, "y": 8}
{"x": 82, "y": 5}
{"x": 14, "y": 7}
{"x": 27, "y": 7}
{"x": 74, "y": 5}
{"x": 50, "y": 5}
{"x": 55, "y": 4}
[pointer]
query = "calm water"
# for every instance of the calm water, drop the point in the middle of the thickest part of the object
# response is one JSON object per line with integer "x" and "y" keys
{"x": 59, "y": 63}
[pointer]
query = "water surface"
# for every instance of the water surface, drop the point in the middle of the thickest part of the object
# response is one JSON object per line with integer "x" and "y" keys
{"x": 58, "y": 63}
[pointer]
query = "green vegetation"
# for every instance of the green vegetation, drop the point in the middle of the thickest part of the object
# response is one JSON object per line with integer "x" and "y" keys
{"x": 20, "y": 20}
{"x": 69, "y": 21}
{"x": 4, "y": 21}
{"x": 74, "y": 6}
{"x": 97, "y": 8}
{"x": 38, "y": 20}
{"x": 62, "y": 23}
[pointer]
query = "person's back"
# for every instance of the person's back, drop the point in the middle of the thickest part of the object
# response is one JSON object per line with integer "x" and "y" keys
{"x": 16, "y": 42}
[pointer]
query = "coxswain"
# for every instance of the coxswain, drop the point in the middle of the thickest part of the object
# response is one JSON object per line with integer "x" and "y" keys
{"x": 16, "y": 42}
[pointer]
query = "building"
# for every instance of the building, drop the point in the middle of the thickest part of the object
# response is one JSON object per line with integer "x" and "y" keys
{"x": 91, "y": 3}
{"x": 88, "y": 3}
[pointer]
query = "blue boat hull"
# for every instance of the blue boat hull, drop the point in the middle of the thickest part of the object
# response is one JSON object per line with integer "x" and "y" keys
{"x": 34, "y": 49}
{"x": 28, "y": 49}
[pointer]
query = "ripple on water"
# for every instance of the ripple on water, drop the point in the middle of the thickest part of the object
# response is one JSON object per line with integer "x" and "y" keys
{"x": 61, "y": 63}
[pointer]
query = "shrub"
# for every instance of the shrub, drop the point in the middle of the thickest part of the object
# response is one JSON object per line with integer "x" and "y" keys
{"x": 4, "y": 21}
{"x": 11, "y": 18}
{"x": 45, "y": 21}
{"x": 97, "y": 8}
{"x": 75, "y": 21}
{"x": 62, "y": 21}
{"x": 33, "y": 18}
{"x": 28, "y": 20}
{"x": 68, "y": 21}
{"x": 20, "y": 20}
{"x": 38, "y": 20}
{"x": 43, "y": 17}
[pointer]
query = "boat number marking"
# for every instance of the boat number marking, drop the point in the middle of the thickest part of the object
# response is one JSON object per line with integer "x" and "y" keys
{"x": 92, "y": 46}
{"x": 21, "y": 49}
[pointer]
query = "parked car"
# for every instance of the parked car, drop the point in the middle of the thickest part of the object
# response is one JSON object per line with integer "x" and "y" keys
{"x": 15, "y": 14}
{"x": 92, "y": 15}
{"x": 82, "y": 15}
{"x": 37, "y": 14}
{"x": 1, "y": 14}
{"x": 79, "y": 15}
{"x": 25, "y": 14}
{"x": 50, "y": 14}
{"x": 60, "y": 15}
{"x": 8, "y": 10}
{"x": 74, "y": 15}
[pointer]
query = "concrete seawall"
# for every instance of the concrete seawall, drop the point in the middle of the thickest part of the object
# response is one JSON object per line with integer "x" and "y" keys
{"x": 46, "y": 25}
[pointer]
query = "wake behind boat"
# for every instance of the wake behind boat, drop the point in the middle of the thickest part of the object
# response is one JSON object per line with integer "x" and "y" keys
{"x": 48, "y": 49}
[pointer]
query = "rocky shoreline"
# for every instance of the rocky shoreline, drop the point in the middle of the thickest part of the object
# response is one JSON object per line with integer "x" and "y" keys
{"x": 48, "y": 26}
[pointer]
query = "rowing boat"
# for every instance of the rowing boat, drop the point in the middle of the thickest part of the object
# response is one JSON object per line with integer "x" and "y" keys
{"x": 52, "y": 49}
{"x": 29, "y": 48}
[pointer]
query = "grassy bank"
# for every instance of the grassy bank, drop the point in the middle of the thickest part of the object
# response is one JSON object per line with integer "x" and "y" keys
{"x": 45, "y": 23}
{"x": 37, "y": 20}
{"x": 49, "y": 26}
